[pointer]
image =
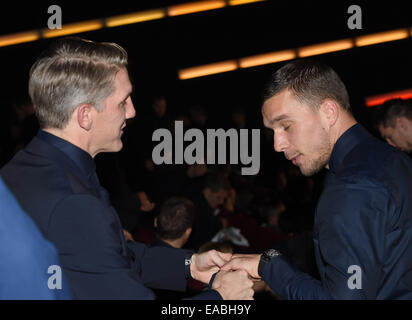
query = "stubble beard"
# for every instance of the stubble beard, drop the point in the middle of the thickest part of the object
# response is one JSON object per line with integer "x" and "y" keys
{"x": 318, "y": 163}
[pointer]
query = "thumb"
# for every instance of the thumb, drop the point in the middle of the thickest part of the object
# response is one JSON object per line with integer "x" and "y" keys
{"x": 231, "y": 265}
{"x": 220, "y": 258}
{"x": 225, "y": 256}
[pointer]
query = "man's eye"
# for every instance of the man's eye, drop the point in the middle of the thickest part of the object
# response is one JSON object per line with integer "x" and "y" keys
{"x": 286, "y": 128}
{"x": 122, "y": 104}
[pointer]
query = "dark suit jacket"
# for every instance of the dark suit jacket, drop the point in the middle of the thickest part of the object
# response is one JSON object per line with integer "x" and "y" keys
{"x": 86, "y": 231}
{"x": 362, "y": 229}
{"x": 159, "y": 243}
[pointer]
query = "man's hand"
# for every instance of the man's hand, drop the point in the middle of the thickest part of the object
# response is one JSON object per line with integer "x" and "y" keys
{"x": 204, "y": 265}
{"x": 246, "y": 262}
{"x": 233, "y": 285}
{"x": 127, "y": 235}
{"x": 146, "y": 204}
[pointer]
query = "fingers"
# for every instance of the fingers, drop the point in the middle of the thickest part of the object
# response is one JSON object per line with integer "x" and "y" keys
{"x": 220, "y": 258}
{"x": 248, "y": 294}
{"x": 147, "y": 206}
{"x": 127, "y": 235}
{"x": 247, "y": 291}
{"x": 226, "y": 257}
{"x": 204, "y": 265}
{"x": 241, "y": 277}
{"x": 213, "y": 270}
{"x": 232, "y": 264}
{"x": 247, "y": 262}
{"x": 234, "y": 285}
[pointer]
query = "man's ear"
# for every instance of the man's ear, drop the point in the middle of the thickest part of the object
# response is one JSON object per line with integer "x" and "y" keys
{"x": 402, "y": 123}
{"x": 188, "y": 232}
{"x": 84, "y": 116}
{"x": 330, "y": 111}
{"x": 155, "y": 222}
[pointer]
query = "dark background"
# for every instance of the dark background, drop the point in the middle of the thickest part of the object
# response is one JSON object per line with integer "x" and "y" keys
{"x": 159, "y": 48}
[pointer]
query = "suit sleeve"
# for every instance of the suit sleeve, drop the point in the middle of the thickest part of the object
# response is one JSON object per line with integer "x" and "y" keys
{"x": 88, "y": 239}
{"x": 159, "y": 267}
{"x": 351, "y": 222}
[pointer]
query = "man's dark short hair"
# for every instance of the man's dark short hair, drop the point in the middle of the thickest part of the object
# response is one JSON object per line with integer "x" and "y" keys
{"x": 392, "y": 109}
{"x": 175, "y": 217}
{"x": 310, "y": 81}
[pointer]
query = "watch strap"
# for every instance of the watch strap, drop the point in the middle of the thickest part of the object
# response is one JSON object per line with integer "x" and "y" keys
{"x": 262, "y": 264}
{"x": 265, "y": 258}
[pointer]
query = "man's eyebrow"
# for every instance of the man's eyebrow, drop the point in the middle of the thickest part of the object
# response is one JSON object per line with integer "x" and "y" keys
{"x": 279, "y": 118}
{"x": 128, "y": 94}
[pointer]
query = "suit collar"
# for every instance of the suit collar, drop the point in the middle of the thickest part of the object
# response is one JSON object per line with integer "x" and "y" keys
{"x": 347, "y": 141}
{"x": 43, "y": 149}
{"x": 81, "y": 158}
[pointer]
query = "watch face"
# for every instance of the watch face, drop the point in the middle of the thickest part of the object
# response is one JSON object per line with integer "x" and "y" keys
{"x": 272, "y": 253}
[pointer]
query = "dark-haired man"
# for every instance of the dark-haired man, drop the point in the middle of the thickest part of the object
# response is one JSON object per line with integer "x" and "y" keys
{"x": 363, "y": 220}
{"x": 213, "y": 193}
{"x": 173, "y": 225}
{"x": 395, "y": 123}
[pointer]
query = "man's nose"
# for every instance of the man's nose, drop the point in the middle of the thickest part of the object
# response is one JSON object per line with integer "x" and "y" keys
{"x": 280, "y": 142}
{"x": 130, "y": 111}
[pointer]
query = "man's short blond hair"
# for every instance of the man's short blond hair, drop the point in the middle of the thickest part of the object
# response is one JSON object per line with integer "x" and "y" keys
{"x": 72, "y": 72}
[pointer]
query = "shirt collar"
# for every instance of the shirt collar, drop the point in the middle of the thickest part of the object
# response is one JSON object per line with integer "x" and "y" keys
{"x": 346, "y": 142}
{"x": 80, "y": 157}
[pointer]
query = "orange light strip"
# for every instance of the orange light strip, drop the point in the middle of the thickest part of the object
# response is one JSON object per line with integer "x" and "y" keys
{"x": 240, "y": 2}
{"x": 267, "y": 58}
{"x": 381, "y": 37}
{"x": 192, "y": 7}
{"x": 77, "y": 27}
{"x": 207, "y": 69}
{"x": 135, "y": 17}
{"x": 326, "y": 47}
{"x": 16, "y": 38}
{"x": 379, "y": 99}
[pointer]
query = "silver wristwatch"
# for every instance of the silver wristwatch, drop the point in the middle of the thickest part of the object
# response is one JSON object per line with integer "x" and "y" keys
{"x": 265, "y": 258}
